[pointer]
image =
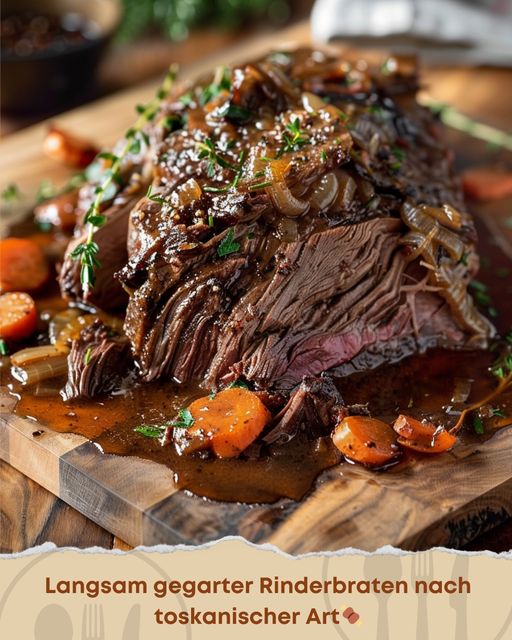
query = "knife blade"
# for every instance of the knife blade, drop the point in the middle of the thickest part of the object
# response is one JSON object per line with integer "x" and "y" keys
{"x": 458, "y": 601}
{"x": 131, "y": 630}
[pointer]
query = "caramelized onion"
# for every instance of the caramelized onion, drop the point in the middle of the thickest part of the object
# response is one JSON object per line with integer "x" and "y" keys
{"x": 33, "y": 354}
{"x": 462, "y": 390}
{"x": 347, "y": 189}
{"x": 59, "y": 321}
{"x": 311, "y": 102}
{"x": 42, "y": 369}
{"x": 324, "y": 192}
{"x": 281, "y": 196}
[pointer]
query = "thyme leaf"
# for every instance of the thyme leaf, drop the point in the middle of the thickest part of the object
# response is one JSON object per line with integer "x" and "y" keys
{"x": 228, "y": 245}
{"x": 87, "y": 251}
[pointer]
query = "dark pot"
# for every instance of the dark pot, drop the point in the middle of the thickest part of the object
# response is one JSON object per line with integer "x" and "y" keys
{"x": 45, "y": 80}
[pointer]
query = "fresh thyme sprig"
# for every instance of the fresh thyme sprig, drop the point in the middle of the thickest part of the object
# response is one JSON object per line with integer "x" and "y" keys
{"x": 87, "y": 251}
{"x": 208, "y": 150}
{"x": 453, "y": 118}
{"x": 234, "y": 183}
{"x": 296, "y": 140}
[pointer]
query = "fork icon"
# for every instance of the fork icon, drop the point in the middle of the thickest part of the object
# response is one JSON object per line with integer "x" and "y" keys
{"x": 92, "y": 622}
{"x": 422, "y": 569}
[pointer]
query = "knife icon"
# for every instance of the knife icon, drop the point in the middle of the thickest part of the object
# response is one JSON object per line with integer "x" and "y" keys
{"x": 459, "y": 601}
{"x": 131, "y": 629}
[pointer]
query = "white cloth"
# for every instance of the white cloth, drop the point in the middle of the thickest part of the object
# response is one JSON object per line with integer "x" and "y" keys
{"x": 444, "y": 31}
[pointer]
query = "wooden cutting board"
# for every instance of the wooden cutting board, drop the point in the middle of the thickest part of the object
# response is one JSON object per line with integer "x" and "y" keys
{"x": 447, "y": 501}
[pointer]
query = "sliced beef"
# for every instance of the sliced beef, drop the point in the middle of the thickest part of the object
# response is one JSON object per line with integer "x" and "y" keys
{"x": 97, "y": 363}
{"x": 313, "y": 406}
{"x": 108, "y": 294}
{"x": 305, "y": 218}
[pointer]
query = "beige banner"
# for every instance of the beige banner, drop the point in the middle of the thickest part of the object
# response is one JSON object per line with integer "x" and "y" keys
{"x": 233, "y": 588}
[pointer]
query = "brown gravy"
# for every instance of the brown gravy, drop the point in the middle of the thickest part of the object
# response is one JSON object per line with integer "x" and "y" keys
{"x": 421, "y": 386}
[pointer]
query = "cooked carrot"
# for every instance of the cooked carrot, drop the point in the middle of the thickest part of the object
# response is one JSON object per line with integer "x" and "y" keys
{"x": 226, "y": 423}
{"x": 487, "y": 183}
{"x": 424, "y": 437}
{"x": 18, "y": 316}
{"x": 366, "y": 440}
{"x": 69, "y": 149}
{"x": 23, "y": 266}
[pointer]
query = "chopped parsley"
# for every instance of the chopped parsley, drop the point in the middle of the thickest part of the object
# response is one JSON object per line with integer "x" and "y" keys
{"x": 238, "y": 384}
{"x": 478, "y": 425}
{"x": 184, "y": 420}
{"x": 87, "y": 355}
{"x": 228, "y": 245}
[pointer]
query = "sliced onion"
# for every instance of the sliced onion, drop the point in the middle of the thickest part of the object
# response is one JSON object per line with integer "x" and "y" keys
{"x": 43, "y": 369}
{"x": 325, "y": 192}
{"x": 59, "y": 321}
{"x": 33, "y": 354}
{"x": 462, "y": 390}
{"x": 347, "y": 189}
{"x": 286, "y": 202}
{"x": 446, "y": 215}
{"x": 311, "y": 102}
{"x": 366, "y": 190}
{"x": 282, "y": 197}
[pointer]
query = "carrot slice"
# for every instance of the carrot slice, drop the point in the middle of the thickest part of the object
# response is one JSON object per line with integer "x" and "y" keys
{"x": 18, "y": 316}
{"x": 424, "y": 437}
{"x": 69, "y": 149}
{"x": 227, "y": 423}
{"x": 23, "y": 266}
{"x": 366, "y": 440}
{"x": 487, "y": 183}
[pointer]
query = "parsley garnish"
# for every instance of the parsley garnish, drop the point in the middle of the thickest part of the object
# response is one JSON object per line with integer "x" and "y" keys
{"x": 11, "y": 193}
{"x": 496, "y": 411}
{"x": 228, "y": 245}
{"x": 87, "y": 355}
{"x": 478, "y": 425}
{"x": 183, "y": 421}
{"x": 238, "y": 384}
{"x": 4, "y": 349}
{"x": 151, "y": 431}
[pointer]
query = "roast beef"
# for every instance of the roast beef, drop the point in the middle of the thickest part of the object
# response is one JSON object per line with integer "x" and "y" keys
{"x": 98, "y": 362}
{"x": 304, "y": 218}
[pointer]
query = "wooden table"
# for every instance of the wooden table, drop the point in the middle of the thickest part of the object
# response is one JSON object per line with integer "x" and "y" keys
{"x": 29, "y": 514}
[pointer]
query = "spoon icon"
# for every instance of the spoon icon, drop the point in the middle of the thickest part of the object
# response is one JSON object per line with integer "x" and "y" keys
{"x": 53, "y": 623}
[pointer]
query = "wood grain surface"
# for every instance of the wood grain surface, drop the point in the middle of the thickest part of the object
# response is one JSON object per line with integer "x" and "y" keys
{"x": 450, "y": 502}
